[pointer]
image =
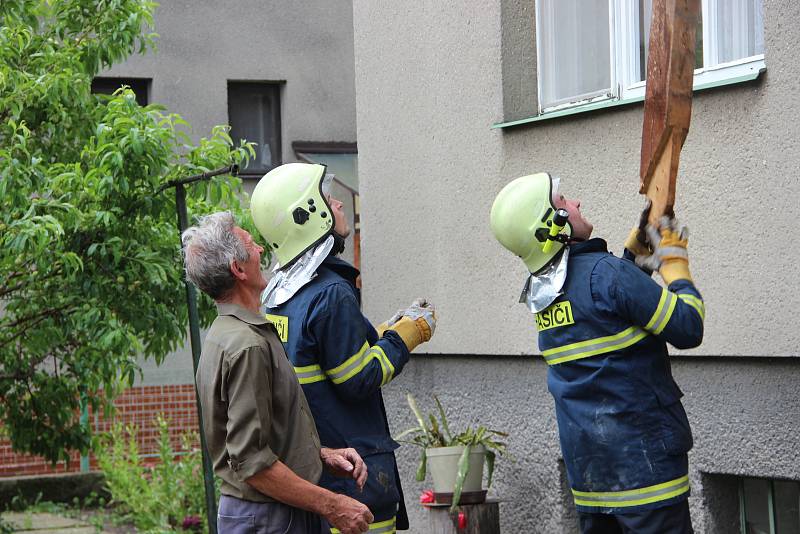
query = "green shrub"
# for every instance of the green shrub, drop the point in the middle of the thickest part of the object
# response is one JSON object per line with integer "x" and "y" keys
{"x": 157, "y": 498}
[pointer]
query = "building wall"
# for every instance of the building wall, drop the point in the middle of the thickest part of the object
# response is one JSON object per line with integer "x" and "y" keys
{"x": 203, "y": 44}
{"x": 744, "y": 417}
{"x": 138, "y": 407}
{"x": 430, "y": 82}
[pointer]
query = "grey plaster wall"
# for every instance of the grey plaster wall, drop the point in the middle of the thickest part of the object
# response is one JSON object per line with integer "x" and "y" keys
{"x": 744, "y": 412}
{"x": 202, "y": 44}
{"x": 430, "y": 81}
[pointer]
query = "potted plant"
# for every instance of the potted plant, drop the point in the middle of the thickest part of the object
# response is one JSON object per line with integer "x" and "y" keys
{"x": 456, "y": 460}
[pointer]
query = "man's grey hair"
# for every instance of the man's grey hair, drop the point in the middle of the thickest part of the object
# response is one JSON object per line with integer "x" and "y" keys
{"x": 208, "y": 250}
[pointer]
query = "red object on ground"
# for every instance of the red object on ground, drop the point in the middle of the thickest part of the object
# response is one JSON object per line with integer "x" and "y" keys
{"x": 462, "y": 520}
{"x": 426, "y": 497}
{"x": 192, "y": 523}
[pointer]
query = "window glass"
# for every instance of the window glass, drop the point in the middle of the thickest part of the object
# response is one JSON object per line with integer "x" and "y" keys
{"x": 574, "y": 50}
{"x": 645, "y": 18}
{"x": 756, "y": 506}
{"x": 787, "y": 504}
{"x": 593, "y": 49}
{"x": 254, "y": 115}
{"x": 739, "y": 29}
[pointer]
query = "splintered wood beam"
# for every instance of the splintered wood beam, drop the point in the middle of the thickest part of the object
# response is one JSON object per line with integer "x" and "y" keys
{"x": 668, "y": 100}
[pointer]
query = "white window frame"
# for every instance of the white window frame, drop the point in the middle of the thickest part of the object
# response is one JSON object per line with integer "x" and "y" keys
{"x": 624, "y": 50}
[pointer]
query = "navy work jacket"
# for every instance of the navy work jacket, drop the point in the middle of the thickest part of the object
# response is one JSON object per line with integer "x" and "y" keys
{"x": 342, "y": 364}
{"x": 623, "y": 431}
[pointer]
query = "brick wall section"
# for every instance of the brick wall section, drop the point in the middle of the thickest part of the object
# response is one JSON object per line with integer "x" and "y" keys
{"x": 138, "y": 406}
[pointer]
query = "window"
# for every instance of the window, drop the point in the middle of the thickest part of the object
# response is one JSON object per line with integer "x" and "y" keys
{"x": 769, "y": 506}
{"x": 254, "y": 113}
{"x": 341, "y": 160}
{"x": 107, "y": 86}
{"x": 591, "y": 50}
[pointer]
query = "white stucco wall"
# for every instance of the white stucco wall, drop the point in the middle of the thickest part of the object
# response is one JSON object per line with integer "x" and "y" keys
{"x": 429, "y": 85}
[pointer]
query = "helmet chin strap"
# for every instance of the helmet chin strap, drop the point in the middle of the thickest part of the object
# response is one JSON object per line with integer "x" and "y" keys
{"x": 338, "y": 244}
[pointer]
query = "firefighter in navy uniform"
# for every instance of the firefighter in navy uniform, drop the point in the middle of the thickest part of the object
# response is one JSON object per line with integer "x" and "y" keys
{"x": 340, "y": 359}
{"x": 603, "y": 327}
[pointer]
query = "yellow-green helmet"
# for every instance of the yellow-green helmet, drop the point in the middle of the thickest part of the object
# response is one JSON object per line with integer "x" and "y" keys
{"x": 290, "y": 210}
{"x": 522, "y": 217}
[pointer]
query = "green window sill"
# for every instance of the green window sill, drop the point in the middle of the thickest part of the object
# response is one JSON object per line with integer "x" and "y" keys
{"x": 605, "y": 104}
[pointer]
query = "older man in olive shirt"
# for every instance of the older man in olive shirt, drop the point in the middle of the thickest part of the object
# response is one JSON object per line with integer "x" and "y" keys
{"x": 261, "y": 437}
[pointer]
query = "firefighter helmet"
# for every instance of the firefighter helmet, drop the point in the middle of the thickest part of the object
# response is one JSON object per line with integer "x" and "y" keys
{"x": 291, "y": 210}
{"x": 524, "y": 220}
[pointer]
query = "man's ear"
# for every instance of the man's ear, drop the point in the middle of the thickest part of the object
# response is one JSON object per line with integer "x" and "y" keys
{"x": 237, "y": 271}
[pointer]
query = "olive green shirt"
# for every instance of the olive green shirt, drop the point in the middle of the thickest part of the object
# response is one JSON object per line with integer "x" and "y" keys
{"x": 254, "y": 410}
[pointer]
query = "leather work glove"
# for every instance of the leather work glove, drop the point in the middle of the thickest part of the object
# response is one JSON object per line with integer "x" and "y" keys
{"x": 415, "y": 325}
{"x": 637, "y": 239}
{"x": 670, "y": 256}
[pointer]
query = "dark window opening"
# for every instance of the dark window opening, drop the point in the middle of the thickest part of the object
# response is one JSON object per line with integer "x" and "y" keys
{"x": 140, "y": 86}
{"x": 254, "y": 113}
{"x": 769, "y": 506}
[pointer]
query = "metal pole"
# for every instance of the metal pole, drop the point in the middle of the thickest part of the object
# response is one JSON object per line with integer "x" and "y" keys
{"x": 84, "y": 423}
{"x": 194, "y": 332}
{"x": 194, "y": 336}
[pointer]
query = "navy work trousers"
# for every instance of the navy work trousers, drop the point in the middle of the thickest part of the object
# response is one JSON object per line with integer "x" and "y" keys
{"x": 237, "y": 516}
{"x": 673, "y": 519}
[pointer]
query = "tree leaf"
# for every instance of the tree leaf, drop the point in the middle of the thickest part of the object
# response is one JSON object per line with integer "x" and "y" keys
{"x": 90, "y": 251}
{"x": 421, "y": 469}
{"x": 463, "y": 470}
{"x": 448, "y": 436}
{"x": 490, "y": 457}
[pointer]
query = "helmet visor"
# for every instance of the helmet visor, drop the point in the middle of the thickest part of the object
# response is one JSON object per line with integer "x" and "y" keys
{"x": 327, "y": 184}
{"x": 554, "y": 183}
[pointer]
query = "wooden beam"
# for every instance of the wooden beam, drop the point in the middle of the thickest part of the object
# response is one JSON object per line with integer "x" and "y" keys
{"x": 668, "y": 100}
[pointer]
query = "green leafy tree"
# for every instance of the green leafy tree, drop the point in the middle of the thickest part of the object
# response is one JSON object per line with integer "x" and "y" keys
{"x": 89, "y": 249}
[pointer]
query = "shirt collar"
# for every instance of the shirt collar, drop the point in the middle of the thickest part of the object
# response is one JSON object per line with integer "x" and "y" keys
{"x": 341, "y": 267}
{"x": 243, "y": 314}
{"x": 590, "y": 245}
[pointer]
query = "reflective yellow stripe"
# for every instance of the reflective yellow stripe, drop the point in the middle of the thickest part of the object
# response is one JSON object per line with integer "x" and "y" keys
{"x": 384, "y": 369}
{"x": 386, "y": 364}
{"x": 695, "y": 303}
{"x": 663, "y": 313}
{"x": 309, "y": 374}
{"x": 593, "y": 347}
{"x": 636, "y": 497}
{"x": 384, "y": 527}
{"x": 656, "y": 315}
{"x": 351, "y": 366}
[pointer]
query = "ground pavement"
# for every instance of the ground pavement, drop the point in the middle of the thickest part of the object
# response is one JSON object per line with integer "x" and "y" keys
{"x": 46, "y": 523}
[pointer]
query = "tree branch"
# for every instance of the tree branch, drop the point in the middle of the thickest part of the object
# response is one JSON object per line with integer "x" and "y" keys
{"x": 37, "y": 318}
{"x": 68, "y": 346}
{"x": 5, "y": 290}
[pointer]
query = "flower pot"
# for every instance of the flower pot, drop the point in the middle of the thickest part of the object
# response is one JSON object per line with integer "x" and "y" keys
{"x": 443, "y": 466}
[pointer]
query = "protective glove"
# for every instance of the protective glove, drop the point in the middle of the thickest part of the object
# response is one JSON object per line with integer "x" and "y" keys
{"x": 637, "y": 238}
{"x": 670, "y": 256}
{"x": 415, "y": 324}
